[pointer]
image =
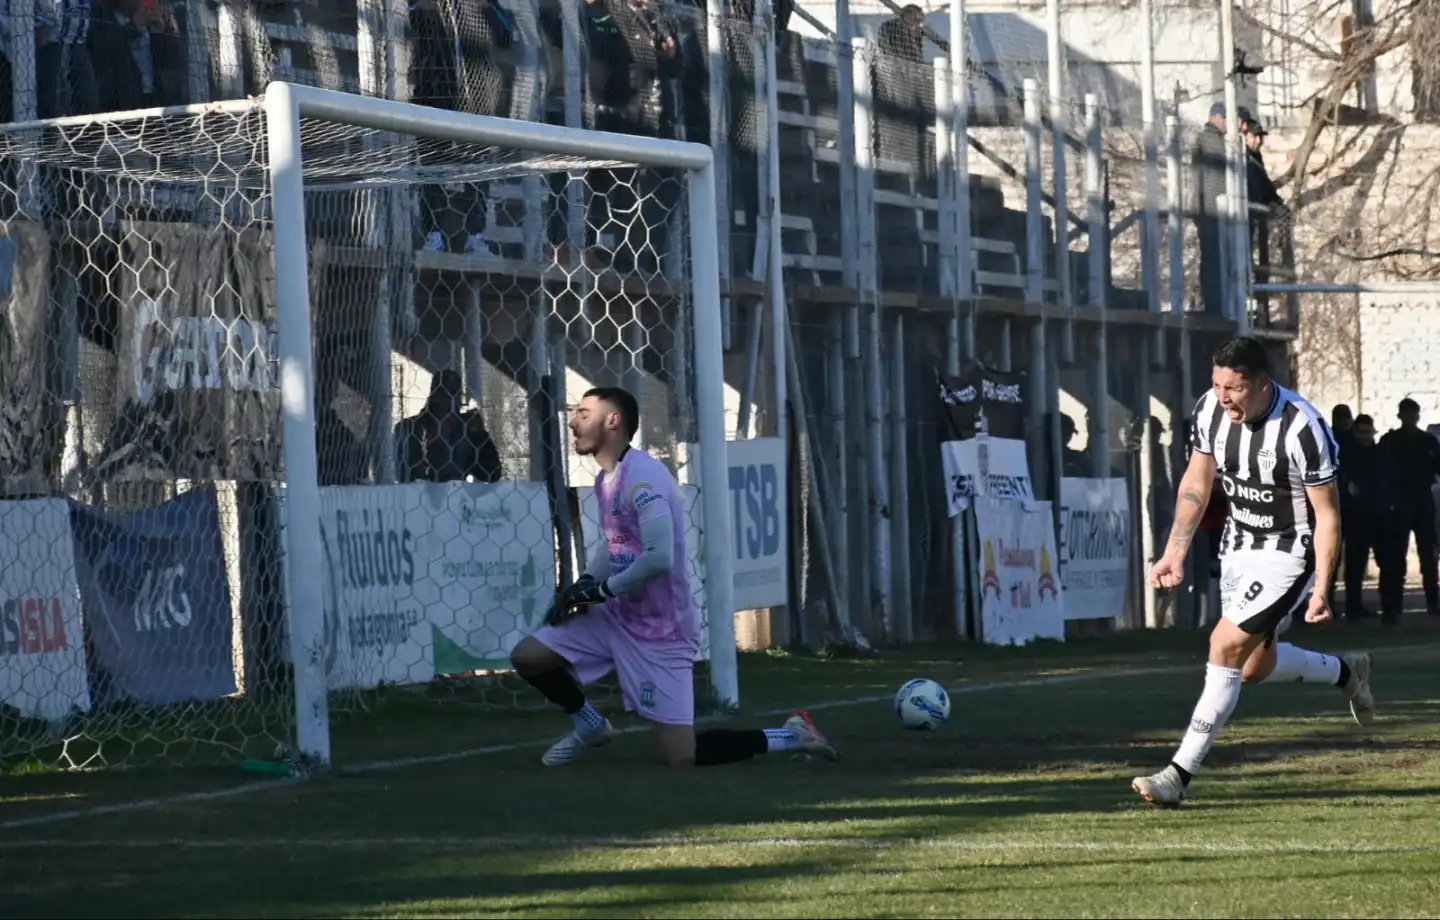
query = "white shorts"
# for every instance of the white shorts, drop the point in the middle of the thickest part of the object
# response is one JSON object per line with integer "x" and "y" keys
{"x": 1261, "y": 590}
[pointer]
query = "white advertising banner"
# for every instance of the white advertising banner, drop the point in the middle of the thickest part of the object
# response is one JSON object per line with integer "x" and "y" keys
{"x": 759, "y": 522}
{"x": 1019, "y": 592}
{"x": 491, "y": 558}
{"x": 432, "y": 578}
{"x": 42, "y": 645}
{"x": 1094, "y": 547}
{"x": 376, "y": 629}
{"x": 985, "y": 466}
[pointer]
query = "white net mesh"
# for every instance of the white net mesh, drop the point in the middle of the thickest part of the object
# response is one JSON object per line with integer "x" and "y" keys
{"x": 462, "y": 298}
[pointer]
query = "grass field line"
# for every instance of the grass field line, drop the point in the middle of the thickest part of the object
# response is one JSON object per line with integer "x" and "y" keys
{"x": 569, "y": 842}
{"x": 1045, "y": 681}
{"x": 212, "y": 795}
{"x": 255, "y": 786}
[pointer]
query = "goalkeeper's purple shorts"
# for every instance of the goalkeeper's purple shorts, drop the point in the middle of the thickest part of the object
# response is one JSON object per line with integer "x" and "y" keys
{"x": 656, "y": 675}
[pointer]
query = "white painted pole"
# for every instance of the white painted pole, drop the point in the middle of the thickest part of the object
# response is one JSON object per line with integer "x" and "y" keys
{"x": 1235, "y": 217}
{"x": 710, "y": 411}
{"x": 1060, "y": 187}
{"x": 778, "y": 327}
{"x": 1097, "y": 229}
{"x": 306, "y": 610}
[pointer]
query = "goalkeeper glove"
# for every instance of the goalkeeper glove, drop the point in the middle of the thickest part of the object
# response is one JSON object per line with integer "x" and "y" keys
{"x": 574, "y": 599}
{"x": 587, "y": 591}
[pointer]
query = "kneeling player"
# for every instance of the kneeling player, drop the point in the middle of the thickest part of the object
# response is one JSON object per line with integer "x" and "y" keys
{"x": 632, "y": 612}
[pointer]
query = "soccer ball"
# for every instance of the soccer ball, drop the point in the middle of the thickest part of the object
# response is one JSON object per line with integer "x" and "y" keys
{"x": 922, "y": 704}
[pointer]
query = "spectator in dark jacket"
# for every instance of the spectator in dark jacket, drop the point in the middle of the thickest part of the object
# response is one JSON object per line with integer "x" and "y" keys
{"x": 1208, "y": 163}
{"x": 124, "y": 56}
{"x": 633, "y": 70}
{"x": 904, "y": 87}
{"x": 634, "y": 49}
{"x": 443, "y": 443}
{"x": 1342, "y": 419}
{"x": 1414, "y": 462}
{"x": 459, "y": 63}
{"x": 1259, "y": 187}
{"x": 1368, "y": 505}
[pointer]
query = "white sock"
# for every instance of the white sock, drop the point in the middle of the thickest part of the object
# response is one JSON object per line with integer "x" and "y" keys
{"x": 1217, "y": 701}
{"x": 588, "y": 720}
{"x": 1304, "y": 666}
{"x": 781, "y": 739}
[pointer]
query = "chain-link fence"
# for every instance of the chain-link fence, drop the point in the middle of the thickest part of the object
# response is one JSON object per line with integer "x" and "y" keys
{"x": 1003, "y": 200}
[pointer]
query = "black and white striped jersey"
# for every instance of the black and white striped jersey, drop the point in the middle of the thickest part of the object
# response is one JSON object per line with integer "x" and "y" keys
{"x": 1264, "y": 467}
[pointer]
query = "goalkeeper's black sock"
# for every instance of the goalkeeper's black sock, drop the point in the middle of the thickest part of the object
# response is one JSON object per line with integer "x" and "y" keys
{"x": 1344, "y": 677}
{"x": 559, "y": 687}
{"x": 727, "y": 745}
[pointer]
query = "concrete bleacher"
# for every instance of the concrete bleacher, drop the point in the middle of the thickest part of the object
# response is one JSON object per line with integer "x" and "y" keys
{"x": 315, "y": 43}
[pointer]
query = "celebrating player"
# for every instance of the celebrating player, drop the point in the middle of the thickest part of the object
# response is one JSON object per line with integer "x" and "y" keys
{"x": 1277, "y": 463}
{"x": 631, "y": 611}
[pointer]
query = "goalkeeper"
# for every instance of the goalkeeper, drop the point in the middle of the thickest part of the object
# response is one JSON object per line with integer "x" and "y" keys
{"x": 632, "y": 612}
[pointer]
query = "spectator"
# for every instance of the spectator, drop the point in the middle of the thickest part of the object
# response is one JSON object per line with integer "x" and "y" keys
{"x": 64, "y": 72}
{"x": 1341, "y": 421}
{"x": 633, "y": 49}
{"x": 1073, "y": 462}
{"x": 1259, "y": 187}
{"x": 903, "y": 37}
{"x": 1413, "y": 461}
{"x": 633, "y": 64}
{"x": 1365, "y": 497}
{"x": 458, "y": 63}
{"x": 123, "y": 55}
{"x": 1208, "y": 164}
{"x": 7, "y": 87}
{"x": 904, "y": 86}
{"x": 443, "y": 443}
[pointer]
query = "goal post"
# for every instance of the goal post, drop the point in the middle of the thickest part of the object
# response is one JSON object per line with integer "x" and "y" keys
{"x": 285, "y": 105}
{"x": 226, "y": 533}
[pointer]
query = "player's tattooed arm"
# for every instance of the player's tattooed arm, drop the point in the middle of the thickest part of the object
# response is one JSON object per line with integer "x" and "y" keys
{"x": 1190, "y": 501}
{"x": 1189, "y": 509}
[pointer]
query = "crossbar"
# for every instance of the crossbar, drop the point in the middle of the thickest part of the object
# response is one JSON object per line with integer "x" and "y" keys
{"x": 530, "y": 136}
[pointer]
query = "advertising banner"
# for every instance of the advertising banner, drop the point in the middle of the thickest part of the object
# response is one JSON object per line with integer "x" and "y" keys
{"x": 1020, "y": 596}
{"x": 156, "y": 596}
{"x": 42, "y": 642}
{"x": 1094, "y": 547}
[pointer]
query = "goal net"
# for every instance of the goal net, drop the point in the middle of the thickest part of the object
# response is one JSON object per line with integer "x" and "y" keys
{"x": 284, "y": 393}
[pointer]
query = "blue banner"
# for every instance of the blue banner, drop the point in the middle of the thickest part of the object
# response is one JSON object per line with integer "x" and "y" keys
{"x": 156, "y": 600}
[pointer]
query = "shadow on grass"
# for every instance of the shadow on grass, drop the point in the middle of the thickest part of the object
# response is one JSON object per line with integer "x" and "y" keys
{"x": 1012, "y": 757}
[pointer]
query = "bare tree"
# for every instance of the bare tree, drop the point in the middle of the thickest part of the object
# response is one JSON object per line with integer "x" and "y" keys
{"x": 1364, "y": 196}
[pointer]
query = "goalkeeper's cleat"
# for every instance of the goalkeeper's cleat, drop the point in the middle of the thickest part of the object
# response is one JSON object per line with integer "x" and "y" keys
{"x": 573, "y": 745}
{"x": 1162, "y": 790}
{"x": 812, "y": 740}
{"x": 1357, "y": 688}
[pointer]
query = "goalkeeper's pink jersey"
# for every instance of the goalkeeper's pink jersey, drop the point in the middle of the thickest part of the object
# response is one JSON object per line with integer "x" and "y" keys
{"x": 641, "y": 489}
